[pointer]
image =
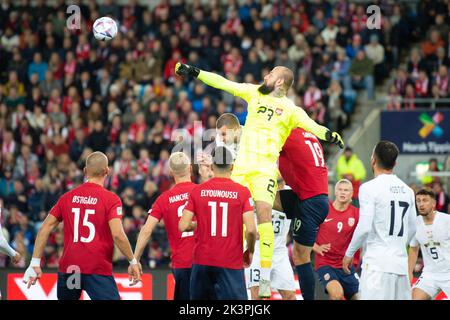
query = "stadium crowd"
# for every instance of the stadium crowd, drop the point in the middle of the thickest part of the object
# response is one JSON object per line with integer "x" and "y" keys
{"x": 63, "y": 94}
{"x": 426, "y": 71}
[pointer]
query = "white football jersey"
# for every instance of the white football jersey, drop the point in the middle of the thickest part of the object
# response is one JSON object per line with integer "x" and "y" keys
{"x": 281, "y": 226}
{"x": 434, "y": 241}
{"x": 386, "y": 224}
{"x": 232, "y": 147}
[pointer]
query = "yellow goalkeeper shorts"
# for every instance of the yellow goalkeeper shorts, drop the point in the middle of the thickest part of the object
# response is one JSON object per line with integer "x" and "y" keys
{"x": 262, "y": 183}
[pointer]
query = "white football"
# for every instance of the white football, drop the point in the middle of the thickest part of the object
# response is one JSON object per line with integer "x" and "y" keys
{"x": 104, "y": 29}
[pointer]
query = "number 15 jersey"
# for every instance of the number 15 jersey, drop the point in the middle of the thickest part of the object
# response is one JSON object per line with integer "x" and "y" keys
{"x": 88, "y": 243}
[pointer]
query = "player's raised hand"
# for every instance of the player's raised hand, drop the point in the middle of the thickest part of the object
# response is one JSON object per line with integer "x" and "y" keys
{"x": 346, "y": 263}
{"x": 248, "y": 257}
{"x": 182, "y": 69}
{"x": 335, "y": 138}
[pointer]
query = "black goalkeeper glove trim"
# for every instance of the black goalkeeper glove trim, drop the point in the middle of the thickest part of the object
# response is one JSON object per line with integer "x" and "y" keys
{"x": 334, "y": 137}
{"x": 182, "y": 69}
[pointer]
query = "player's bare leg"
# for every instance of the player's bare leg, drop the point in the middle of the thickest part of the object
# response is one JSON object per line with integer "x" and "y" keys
{"x": 355, "y": 297}
{"x": 266, "y": 244}
{"x": 277, "y": 203}
{"x": 287, "y": 295}
{"x": 254, "y": 293}
{"x": 419, "y": 294}
{"x": 335, "y": 290}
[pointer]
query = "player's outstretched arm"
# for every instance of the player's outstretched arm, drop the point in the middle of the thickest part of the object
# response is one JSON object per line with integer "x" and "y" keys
{"x": 212, "y": 79}
{"x": 144, "y": 236}
{"x": 186, "y": 223}
{"x": 304, "y": 121}
{"x": 34, "y": 271}
{"x": 4, "y": 245}
{"x": 123, "y": 244}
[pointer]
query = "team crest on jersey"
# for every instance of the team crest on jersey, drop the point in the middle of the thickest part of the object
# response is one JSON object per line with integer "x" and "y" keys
{"x": 351, "y": 222}
{"x": 279, "y": 111}
{"x": 119, "y": 211}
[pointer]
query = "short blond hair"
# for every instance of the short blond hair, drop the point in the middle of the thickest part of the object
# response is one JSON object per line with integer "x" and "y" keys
{"x": 179, "y": 163}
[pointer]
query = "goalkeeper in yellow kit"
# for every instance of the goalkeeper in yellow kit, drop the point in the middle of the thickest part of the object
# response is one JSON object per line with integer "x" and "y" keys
{"x": 270, "y": 119}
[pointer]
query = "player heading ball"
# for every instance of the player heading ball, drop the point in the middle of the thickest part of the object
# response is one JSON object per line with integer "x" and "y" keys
{"x": 271, "y": 118}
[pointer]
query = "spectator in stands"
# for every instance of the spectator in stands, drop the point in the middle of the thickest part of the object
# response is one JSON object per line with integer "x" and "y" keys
{"x": 442, "y": 198}
{"x": 433, "y": 166}
{"x": 361, "y": 72}
{"x": 375, "y": 52}
{"x": 350, "y": 167}
{"x": 430, "y": 46}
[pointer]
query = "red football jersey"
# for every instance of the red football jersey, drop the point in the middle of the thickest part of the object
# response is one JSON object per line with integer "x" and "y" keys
{"x": 88, "y": 243}
{"x": 218, "y": 204}
{"x": 169, "y": 207}
{"x": 302, "y": 164}
{"x": 337, "y": 229}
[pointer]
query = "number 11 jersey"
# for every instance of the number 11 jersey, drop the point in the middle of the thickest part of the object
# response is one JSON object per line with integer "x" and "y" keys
{"x": 218, "y": 205}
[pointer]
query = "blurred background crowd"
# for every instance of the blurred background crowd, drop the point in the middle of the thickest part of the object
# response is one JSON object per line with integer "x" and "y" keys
{"x": 64, "y": 94}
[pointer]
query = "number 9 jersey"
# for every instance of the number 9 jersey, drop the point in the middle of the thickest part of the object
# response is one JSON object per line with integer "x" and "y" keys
{"x": 88, "y": 243}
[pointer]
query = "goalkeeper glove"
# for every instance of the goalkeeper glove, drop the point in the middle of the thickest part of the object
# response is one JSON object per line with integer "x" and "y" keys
{"x": 335, "y": 138}
{"x": 182, "y": 69}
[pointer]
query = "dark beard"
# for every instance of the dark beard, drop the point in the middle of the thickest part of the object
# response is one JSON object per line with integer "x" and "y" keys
{"x": 265, "y": 89}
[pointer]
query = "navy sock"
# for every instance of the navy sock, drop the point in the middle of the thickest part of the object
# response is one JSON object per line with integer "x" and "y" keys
{"x": 306, "y": 280}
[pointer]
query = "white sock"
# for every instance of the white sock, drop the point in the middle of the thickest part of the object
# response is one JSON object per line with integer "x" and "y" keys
{"x": 265, "y": 273}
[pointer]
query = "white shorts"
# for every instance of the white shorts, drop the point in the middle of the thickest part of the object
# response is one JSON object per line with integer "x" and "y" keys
{"x": 281, "y": 275}
{"x": 432, "y": 284}
{"x": 378, "y": 285}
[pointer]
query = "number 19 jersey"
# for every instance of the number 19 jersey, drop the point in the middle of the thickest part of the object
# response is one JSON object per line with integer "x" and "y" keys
{"x": 302, "y": 164}
{"x": 88, "y": 243}
{"x": 218, "y": 205}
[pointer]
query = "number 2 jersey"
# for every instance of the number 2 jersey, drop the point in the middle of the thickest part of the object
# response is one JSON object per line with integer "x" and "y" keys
{"x": 88, "y": 243}
{"x": 169, "y": 207}
{"x": 302, "y": 165}
{"x": 387, "y": 222}
{"x": 218, "y": 205}
{"x": 434, "y": 240}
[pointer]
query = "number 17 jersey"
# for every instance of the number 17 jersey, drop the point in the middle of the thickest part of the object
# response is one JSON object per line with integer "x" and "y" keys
{"x": 392, "y": 204}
